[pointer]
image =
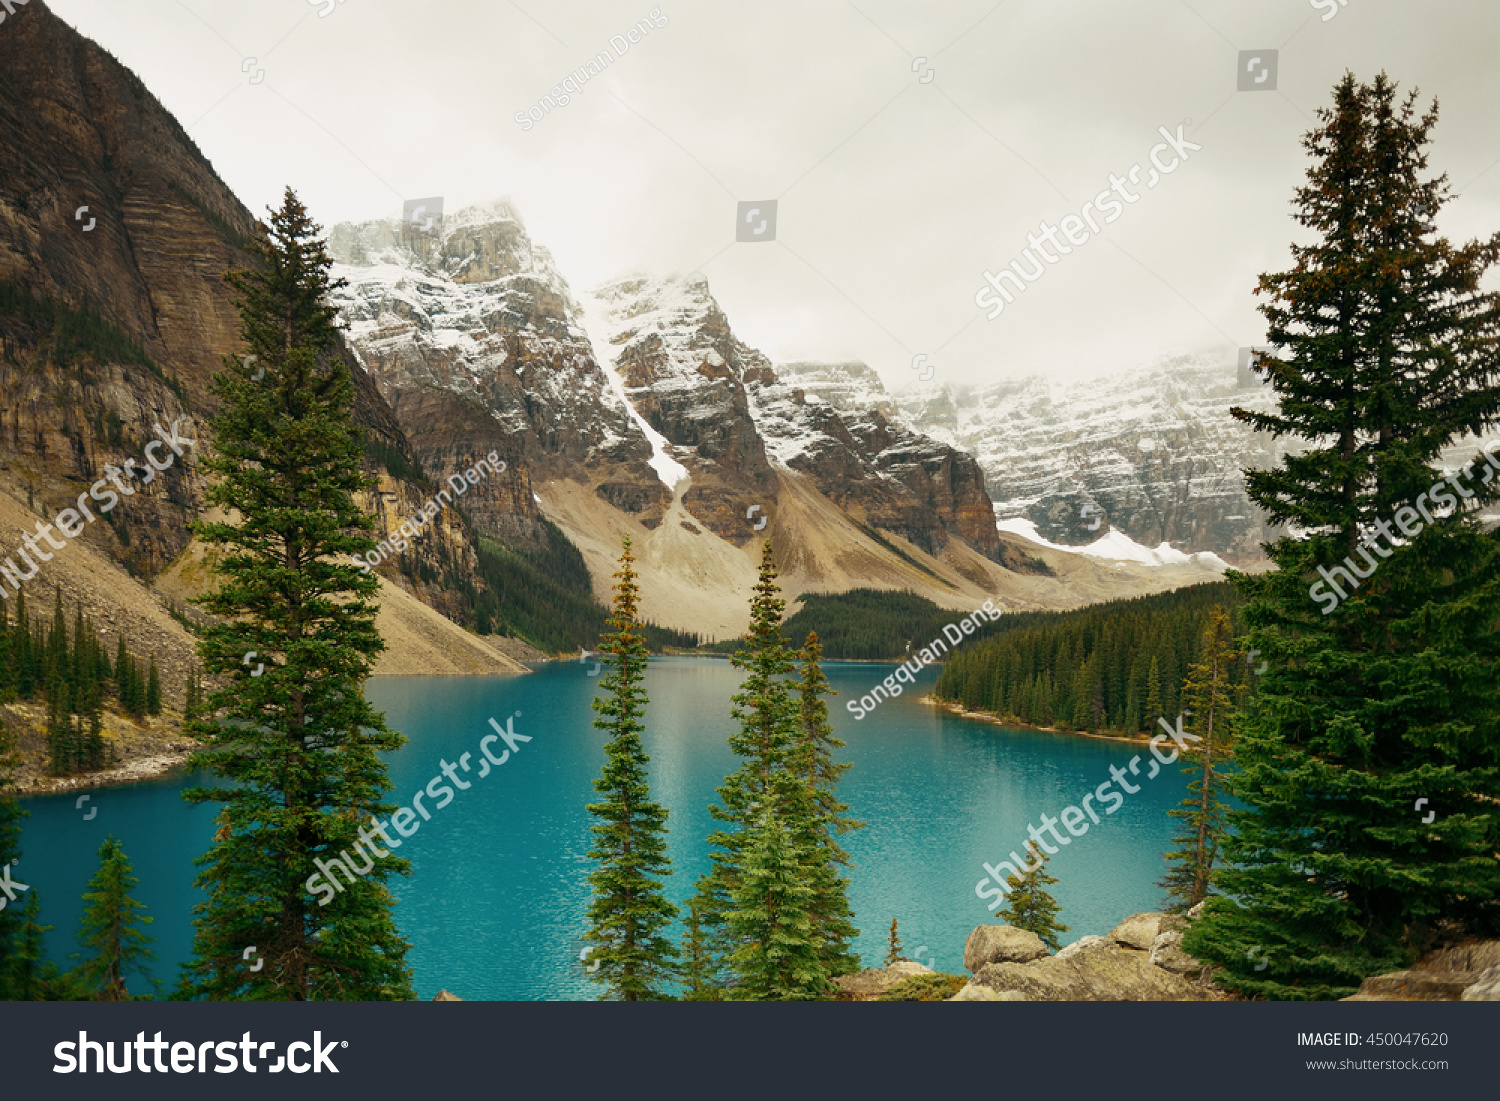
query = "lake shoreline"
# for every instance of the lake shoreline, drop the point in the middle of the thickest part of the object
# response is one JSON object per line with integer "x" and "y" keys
{"x": 123, "y": 775}
{"x": 995, "y": 720}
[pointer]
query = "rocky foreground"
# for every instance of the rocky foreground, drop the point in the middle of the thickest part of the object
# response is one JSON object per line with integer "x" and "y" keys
{"x": 1141, "y": 960}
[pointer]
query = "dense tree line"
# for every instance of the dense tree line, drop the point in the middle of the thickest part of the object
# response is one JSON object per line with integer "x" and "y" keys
{"x": 396, "y": 463}
{"x": 1112, "y": 667}
{"x": 868, "y": 624}
{"x": 71, "y": 671}
{"x": 865, "y": 624}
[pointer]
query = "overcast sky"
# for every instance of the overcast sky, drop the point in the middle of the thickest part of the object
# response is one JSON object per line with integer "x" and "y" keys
{"x": 897, "y": 182}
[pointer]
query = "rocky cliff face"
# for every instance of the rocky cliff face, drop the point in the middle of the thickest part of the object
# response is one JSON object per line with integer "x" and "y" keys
{"x": 476, "y": 341}
{"x": 704, "y": 390}
{"x": 1153, "y": 451}
{"x": 142, "y": 269}
{"x": 640, "y": 391}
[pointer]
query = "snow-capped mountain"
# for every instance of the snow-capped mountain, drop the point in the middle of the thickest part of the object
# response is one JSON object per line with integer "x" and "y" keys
{"x": 701, "y": 388}
{"x": 1151, "y": 453}
{"x": 1154, "y": 451}
{"x": 634, "y": 409}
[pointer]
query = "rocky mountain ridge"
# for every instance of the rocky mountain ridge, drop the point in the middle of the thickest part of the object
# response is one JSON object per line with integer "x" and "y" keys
{"x": 1151, "y": 452}
{"x": 635, "y": 409}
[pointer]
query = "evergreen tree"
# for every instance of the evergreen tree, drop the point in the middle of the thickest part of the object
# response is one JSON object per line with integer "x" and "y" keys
{"x": 768, "y": 720}
{"x": 1153, "y": 694}
{"x": 21, "y": 650}
{"x": 1082, "y": 700}
{"x": 27, "y": 975}
{"x": 893, "y": 952}
{"x": 822, "y": 817}
{"x": 629, "y": 911}
{"x": 1370, "y": 703}
{"x": 780, "y": 954}
{"x": 699, "y": 984}
{"x": 192, "y": 695}
{"x": 153, "y": 691}
{"x": 299, "y": 745}
{"x": 123, "y": 677}
{"x": 110, "y": 929}
{"x": 1209, "y": 697}
{"x": 1029, "y": 906}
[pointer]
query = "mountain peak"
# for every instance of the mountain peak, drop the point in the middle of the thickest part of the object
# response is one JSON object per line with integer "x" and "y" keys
{"x": 481, "y": 243}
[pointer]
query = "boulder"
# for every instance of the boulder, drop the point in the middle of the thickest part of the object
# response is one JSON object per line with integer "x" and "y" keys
{"x": 1001, "y": 944}
{"x": 1167, "y": 953}
{"x": 1197, "y": 911}
{"x": 1486, "y": 988}
{"x": 1080, "y": 944}
{"x": 975, "y": 992}
{"x": 1140, "y": 931}
{"x": 1416, "y": 986}
{"x": 444, "y": 996}
{"x": 1476, "y": 955}
{"x": 875, "y": 981}
{"x": 1446, "y": 975}
{"x": 1096, "y": 972}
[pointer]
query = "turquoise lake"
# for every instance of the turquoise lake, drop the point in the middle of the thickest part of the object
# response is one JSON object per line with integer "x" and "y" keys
{"x": 495, "y": 907}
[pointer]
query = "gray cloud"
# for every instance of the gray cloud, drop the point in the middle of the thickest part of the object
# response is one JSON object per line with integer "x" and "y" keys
{"x": 894, "y": 194}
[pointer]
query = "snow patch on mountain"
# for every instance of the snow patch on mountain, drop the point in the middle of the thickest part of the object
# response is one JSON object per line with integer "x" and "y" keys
{"x": 596, "y": 322}
{"x": 1154, "y": 450}
{"x": 1118, "y": 547}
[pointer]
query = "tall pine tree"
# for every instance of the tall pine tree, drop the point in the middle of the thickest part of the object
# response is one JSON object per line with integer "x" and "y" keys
{"x": 631, "y": 958}
{"x": 110, "y": 934}
{"x": 29, "y": 976}
{"x": 1388, "y": 354}
{"x": 1209, "y": 697}
{"x": 766, "y": 787}
{"x": 823, "y": 816}
{"x": 1153, "y": 694}
{"x": 768, "y": 728}
{"x": 696, "y": 964}
{"x": 291, "y": 731}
